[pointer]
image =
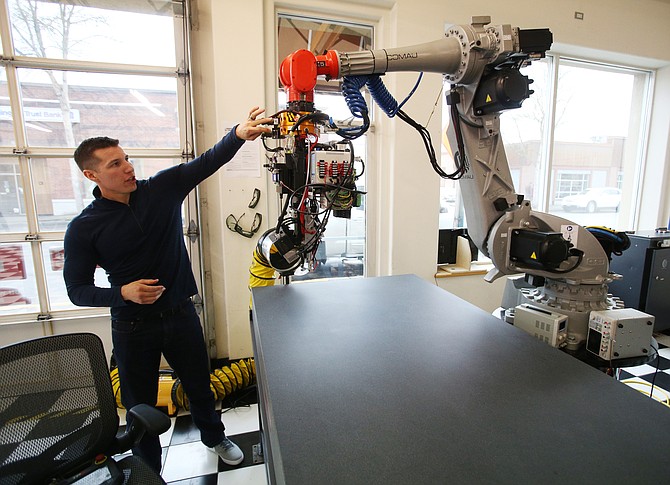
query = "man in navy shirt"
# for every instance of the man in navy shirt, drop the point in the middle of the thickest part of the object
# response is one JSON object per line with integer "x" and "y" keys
{"x": 133, "y": 230}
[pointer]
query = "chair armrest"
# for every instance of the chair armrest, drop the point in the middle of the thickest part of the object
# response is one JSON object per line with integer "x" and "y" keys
{"x": 143, "y": 419}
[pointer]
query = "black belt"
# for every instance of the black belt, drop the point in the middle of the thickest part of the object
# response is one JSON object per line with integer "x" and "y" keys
{"x": 168, "y": 312}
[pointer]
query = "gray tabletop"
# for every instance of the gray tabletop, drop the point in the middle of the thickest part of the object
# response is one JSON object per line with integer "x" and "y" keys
{"x": 394, "y": 380}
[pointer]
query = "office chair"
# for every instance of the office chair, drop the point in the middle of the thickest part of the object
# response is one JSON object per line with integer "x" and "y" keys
{"x": 58, "y": 416}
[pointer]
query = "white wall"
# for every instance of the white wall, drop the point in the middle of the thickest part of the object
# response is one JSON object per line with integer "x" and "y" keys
{"x": 18, "y": 332}
{"x": 473, "y": 289}
{"x": 235, "y": 69}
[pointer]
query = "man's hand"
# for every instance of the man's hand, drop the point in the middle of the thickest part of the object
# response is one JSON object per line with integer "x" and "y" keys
{"x": 144, "y": 292}
{"x": 252, "y": 128}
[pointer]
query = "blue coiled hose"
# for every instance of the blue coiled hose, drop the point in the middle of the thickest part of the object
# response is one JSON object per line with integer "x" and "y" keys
{"x": 351, "y": 89}
{"x": 381, "y": 95}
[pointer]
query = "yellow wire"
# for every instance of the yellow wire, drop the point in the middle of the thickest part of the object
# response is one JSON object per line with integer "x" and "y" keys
{"x": 656, "y": 390}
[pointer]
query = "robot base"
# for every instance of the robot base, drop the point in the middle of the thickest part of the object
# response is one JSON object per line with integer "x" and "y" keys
{"x": 576, "y": 302}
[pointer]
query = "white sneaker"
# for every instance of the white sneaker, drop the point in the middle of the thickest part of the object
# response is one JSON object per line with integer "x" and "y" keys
{"x": 229, "y": 452}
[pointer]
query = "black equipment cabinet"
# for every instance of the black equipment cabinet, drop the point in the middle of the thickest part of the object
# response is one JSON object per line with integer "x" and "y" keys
{"x": 645, "y": 268}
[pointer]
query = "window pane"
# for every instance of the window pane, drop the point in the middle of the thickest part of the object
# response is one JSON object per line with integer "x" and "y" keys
{"x": 146, "y": 167}
{"x": 318, "y": 36}
{"x": 53, "y": 256}
{"x": 596, "y": 151}
{"x": 6, "y": 122}
{"x": 18, "y": 292}
{"x": 596, "y": 137}
{"x": 63, "y": 108}
{"x": 522, "y": 130}
{"x": 118, "y": 32}
{"x": 12, "y": 201}
{"x": 61, "y": 190}
{"x": 451, "y": 205}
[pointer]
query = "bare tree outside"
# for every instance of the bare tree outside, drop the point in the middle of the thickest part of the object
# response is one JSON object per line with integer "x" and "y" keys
{"x": 49, "y": 35}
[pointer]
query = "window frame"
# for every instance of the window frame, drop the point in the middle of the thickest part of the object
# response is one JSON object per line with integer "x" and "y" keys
{"x": 22, "y": 152}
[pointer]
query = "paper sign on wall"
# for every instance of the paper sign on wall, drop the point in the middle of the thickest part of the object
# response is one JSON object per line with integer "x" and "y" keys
{"x": 246, "y": 162}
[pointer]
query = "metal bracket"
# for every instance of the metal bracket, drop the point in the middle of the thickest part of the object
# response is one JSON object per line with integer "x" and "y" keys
{"x": 193, "y": 231}
{"x": 197, "y": 303}
{"x": 182, "y": 72}
{"x": 178, "y": 8}
{"x": 257, "y": 450}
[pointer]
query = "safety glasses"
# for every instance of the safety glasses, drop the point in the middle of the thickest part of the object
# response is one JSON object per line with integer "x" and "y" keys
{"x": 233, "y": 224}
{"x": 255, "y": 198}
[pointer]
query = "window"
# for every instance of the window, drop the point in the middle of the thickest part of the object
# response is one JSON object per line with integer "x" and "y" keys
{"x": 141, "y": 111}
{"x": 570, "y": 183}
{"x": 342, "y": 250}
{"x": 75, "y": 69}
{"x": 595, "y": 116}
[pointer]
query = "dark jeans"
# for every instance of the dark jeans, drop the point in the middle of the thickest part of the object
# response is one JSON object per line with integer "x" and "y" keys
{"x": 176, "y": 334}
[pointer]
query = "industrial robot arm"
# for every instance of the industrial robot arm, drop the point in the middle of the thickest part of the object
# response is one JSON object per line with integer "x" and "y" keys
{"x": 481, "y": 62}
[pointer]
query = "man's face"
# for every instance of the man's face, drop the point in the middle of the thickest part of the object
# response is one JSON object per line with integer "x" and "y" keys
{"x": 114, "y": 174}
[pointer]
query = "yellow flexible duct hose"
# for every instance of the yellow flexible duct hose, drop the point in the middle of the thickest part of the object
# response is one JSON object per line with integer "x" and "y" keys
{"x": 260, "y": 272}
{"x": 116, "y": 387}
{"x": 223, "y": 382}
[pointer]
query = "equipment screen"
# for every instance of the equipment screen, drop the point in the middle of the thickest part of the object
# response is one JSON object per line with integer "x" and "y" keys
{"x": 593, "y": 341}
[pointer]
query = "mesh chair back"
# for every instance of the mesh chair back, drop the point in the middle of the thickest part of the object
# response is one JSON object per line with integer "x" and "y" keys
{"x": 57, "y": 408}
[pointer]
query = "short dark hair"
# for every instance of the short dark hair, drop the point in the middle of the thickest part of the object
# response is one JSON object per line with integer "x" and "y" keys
{"x": 83, "y": 155}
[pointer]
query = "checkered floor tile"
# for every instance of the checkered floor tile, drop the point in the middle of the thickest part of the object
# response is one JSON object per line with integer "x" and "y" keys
{"x": 652, "y": 378}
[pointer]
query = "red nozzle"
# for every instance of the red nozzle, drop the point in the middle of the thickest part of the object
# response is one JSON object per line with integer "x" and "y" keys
{"x": 328, "y": 65}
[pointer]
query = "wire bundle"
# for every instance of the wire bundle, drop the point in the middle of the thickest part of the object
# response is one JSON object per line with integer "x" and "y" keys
{"x": 338, "y": 196}
{"x": 351, "y": 87}
{"x": 613, "y": 242}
